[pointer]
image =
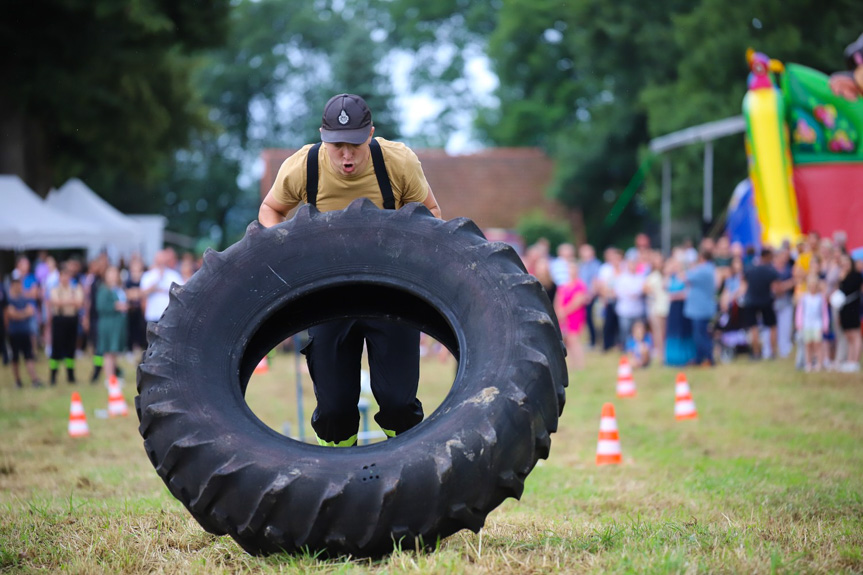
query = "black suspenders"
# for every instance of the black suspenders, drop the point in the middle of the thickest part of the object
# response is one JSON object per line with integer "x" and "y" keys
{"x": 377, "y": 162}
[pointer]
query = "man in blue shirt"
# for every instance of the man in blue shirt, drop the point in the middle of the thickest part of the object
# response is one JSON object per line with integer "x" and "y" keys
{"x": 17, "y": 315}
{"x": 588, "y": 271}
{"x": 700, "y": 305}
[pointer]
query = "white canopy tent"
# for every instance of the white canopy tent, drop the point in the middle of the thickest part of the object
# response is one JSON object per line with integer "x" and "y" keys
{"x": 120, "y": 234}
{"x": 26, "y": 222}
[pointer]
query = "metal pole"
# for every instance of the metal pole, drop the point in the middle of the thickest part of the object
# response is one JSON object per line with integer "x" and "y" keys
{"x": 666, "y": 206}
{"x": 301, "y": 418}
{"x": 708, "y": 182}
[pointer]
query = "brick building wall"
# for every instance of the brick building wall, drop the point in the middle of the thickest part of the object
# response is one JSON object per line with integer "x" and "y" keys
{"x": 494, "y": 187}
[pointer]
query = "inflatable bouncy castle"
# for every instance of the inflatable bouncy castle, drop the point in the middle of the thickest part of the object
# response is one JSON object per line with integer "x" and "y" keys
{"x": 804, "y": 143}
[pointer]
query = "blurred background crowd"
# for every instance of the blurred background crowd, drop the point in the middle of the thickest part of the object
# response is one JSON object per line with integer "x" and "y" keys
{"x": 75, "y": 309}
{"x": 713, "y": 302}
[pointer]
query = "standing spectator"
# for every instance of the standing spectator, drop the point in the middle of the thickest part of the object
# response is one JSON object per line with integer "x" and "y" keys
{"x": 762, "y": 282}
{"x": 92, "y": 281}
{"x": 559, "y": 266}
{"x": 570, "y": 305}
{"x": 679, "y": 347}
{"x": 187, "y": 267}
{"x": 689, "y": 253}
{"x": 831, "y": 272}
{"x": 29, "y": 290}
{"x": 783, "y": 304}
{"x": 111, "y": 306}
{"x": 4, "y": 301}
{"x": 48, "y": 279}
{"x": 18, "y": 315}
{"x": 738, "y": 251}
{"x": 137, "y": 327}
{"x": 850, "y": 285}
{"x": 639, "y": 346}
{"x": 700, "y": 305}
{"x": 588, "y": 270}
{"x": 67, "y": 300}
{"x": 155, "y": 285}
{"x": 722, "y": 253}
{"x": 840, "y": 240}
{"x": 43, "y": 267}
{"x": 542, "y": 272}
{"x": 731, "y": 292}
{"x": 642, "y": 248}
{"x": 658, "y": 303}
{"x": 812, "y": 322}
{"x": 629, "y": 291}
{"x": 534, "y": 253}
{"x": 607, "y": 277}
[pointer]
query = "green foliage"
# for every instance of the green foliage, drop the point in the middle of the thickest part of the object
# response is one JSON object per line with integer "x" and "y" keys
{"x": 103, "y": 86}
{"x": 570, "y": 81}
{"x": 536, "y": 225}
{"x": 709, "y": 81}
{"x": 594, "y": 81}
{"x": 266, "y": 88}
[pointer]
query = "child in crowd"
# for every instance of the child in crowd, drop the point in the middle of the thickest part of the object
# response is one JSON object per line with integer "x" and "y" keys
{"x": 570, "y": 304}
{"x": 639, "y": 346}
{"x": 18, "y": 316}
{"x": 812, "y": 321}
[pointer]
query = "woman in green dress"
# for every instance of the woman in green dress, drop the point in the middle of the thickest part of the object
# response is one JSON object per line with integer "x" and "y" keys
{"x": 111, "y": 306}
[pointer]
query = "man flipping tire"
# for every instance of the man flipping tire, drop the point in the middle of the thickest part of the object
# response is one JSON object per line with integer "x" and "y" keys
{"x": 355, "y": 165}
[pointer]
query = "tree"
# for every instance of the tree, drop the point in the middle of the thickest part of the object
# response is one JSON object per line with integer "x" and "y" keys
{"x": 570, "y": 81}
{"x": 710, "y": 78}
{"x": 266, "y": 88}
{"x": 100, "y": 85}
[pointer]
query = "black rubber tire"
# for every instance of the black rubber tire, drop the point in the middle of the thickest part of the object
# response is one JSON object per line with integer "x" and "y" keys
{"x": 271, "y": 493}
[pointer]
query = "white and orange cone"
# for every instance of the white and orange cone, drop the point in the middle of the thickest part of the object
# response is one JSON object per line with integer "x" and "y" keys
{"x": 625, "y": 383}
{"x": 116, "y": 402}
{"x": 684, "y": 406}
{"x": 262, "y": 367}
{"x": 77, "y": 418}
{"x": 608, "y": 445}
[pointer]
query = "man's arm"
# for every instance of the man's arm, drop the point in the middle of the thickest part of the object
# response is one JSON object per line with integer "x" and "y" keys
{"x": 274, "y": 212}
{"x": 431, "y": 203}
{"x": 19, "y": 314}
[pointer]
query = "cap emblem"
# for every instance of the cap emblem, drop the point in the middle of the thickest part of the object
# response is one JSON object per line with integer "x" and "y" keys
{"x": 344, "y": 118}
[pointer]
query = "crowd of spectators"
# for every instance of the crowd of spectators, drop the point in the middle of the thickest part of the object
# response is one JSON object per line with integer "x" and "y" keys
{"x": 718, "y": 301}
{"x": 67, "y": 310}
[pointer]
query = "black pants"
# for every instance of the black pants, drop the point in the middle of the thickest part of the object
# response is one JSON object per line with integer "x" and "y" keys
{"x": 591, "y": 329}
{"x": 64, "y": 336}
{"x": 334, "y": 353}
{"x": 609, "y": 327}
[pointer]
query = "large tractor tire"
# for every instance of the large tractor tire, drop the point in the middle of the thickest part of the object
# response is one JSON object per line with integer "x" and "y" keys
{"x": 271, "y": 493}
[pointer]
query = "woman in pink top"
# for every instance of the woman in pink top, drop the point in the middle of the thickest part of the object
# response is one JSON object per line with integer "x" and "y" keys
{"x": 569, "y": 304}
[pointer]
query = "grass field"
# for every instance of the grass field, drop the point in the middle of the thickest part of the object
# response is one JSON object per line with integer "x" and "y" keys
{"x": 768, "y": 479}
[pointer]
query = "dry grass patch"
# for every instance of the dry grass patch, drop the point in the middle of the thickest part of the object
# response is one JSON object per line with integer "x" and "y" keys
{"x": 766, "y": 480}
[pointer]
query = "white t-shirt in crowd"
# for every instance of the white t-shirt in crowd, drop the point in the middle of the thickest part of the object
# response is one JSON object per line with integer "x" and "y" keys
{"x": 629, "y": 288}
{"x": 158, "y": 300}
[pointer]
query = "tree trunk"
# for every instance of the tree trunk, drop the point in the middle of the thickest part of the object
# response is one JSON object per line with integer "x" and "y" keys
{"x": 24, "y": 150}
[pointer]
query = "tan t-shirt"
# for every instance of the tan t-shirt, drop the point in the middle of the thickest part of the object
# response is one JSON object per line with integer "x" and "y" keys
{"x": 336, "y": 191}
{"x": 61, "y": 293}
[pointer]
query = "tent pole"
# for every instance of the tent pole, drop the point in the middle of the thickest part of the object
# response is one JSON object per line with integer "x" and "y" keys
{"x": 708, "y": 183}
{"x": 666, "y": 206}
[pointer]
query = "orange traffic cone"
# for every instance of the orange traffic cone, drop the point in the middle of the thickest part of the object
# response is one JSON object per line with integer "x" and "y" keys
{"x": 625, "y": 383}
{"x": 77, "y": 418}
{"x": 608, "y": 446}
{"x": 684, "y": 406}
{"x": 116, "y": 403}
{"x": 262, "y": 367}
